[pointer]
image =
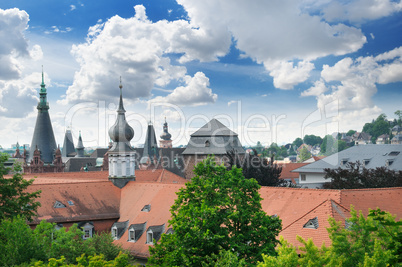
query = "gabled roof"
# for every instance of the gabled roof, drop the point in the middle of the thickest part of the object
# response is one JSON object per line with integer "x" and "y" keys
{"x": 213, "y": 138}
{"x": 378, "y": 155}
{"x": 214, "y": 128}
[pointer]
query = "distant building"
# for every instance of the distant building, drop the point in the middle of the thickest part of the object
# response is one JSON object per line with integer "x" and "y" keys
{"x": 361, "y": 138}
{"x": 68, "y": 145}
{"x": 372, "y": 156}
{"x": 396, "y": 130}
{"x": 382, "y": 139}
{"x": 213, "y": 138}
{"x": 397, "y": 139}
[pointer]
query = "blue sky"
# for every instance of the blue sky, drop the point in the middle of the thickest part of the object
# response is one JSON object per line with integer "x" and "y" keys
{"x": 270, "y": 70}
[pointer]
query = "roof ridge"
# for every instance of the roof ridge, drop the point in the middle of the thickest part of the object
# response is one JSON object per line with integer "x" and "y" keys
{"x": 316, "y": 207}
{"x": 64, "y": 183}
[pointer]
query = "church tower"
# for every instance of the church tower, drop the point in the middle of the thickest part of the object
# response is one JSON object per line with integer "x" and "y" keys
{"x": 166, "y": 141}
{"x": 43, "y": 138}
{"x": 121, "y": 154}
{"x": 68, "y": 145}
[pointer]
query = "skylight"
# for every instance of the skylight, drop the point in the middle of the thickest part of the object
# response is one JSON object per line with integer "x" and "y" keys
{"x": 393, "y": 153}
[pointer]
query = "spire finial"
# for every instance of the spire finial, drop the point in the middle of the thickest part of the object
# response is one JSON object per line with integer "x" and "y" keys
{"x": 120, "y": 86}
{"x": 121, "y": 108}
{"x": 43, "y": 79}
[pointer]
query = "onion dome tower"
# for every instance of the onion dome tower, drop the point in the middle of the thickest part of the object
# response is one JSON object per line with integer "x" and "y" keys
{"x": 80, "y": 147}
{"x": 166, "y": 141}
{"x": 43, "y": 138}
{"x": 121, "y": 154}
{"x": 68, "y": 145}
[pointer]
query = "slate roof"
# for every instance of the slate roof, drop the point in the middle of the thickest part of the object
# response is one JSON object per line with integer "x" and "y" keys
{"x": 75, "y": 164}
{"x": 377, "y": 154}
{"x": 68, "y": 145}
{"x": 99, "y": 152}
{"x": 213, "y": 138}
{"x": 43, "y": 138}
{"x": 214, "y": 128}
{"x": 151, "y": 149}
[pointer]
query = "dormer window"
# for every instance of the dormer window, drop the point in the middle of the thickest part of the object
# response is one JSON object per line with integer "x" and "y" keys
{"x": 131, "y": 235}
{"x": 344, "y": 162}
{"x": 207, "y": 143}
{"x": 150, "y": 237}
{"x": 114, "y": 232}
{"x": 146, "y": 208}
{"x": 312, "y": 224}
{"x": 58, "y": 204}
{"x": 389, "y": 162}
{"x": 366, "y": 162}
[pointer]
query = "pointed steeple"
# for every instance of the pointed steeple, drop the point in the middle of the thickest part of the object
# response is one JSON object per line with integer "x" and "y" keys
{"x": 68, "y": 145}
{"x": 43, "y": 136}
{"x": 121, "y": 108}
{"x": 151, "y": 150}
{"x": 80, "y": 147}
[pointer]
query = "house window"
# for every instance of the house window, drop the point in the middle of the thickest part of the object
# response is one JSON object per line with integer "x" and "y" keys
{"x": 366, "y": 162}
{"x": 131, "y": 235}
{"x": 207, "y": 143}
{"x": 302, "y": 177}
{"x": 344, "y": 161}
{"x": 150, "y": 238}
{"x": 146, "y": 208}
{"x": 114, "y": 232}
{"x": 87, "y": 233}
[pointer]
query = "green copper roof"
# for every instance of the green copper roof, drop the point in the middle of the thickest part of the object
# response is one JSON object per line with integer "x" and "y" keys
{"x": 43, "y": 105}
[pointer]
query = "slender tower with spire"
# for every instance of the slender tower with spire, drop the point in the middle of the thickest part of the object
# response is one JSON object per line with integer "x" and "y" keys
{"x": 43, "y": 137}
{"x": 121, "y": 154}
{"x": 150, "y": 156}
{"x": 166, "y": 141}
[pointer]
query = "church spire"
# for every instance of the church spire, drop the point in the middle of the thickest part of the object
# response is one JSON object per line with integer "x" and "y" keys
{"x": 121, "y": 108}
{"x": 43, "y": 106}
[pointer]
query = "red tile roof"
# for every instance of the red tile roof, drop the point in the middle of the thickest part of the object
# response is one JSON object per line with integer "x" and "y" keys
{"x": 90, "y": 201}
{"x": 287, "y": 171}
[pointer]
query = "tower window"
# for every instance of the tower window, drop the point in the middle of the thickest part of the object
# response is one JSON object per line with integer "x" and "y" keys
{"x": 207, "y": 143}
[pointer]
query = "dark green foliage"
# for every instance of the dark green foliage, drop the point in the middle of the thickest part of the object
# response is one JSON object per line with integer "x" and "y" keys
{"x": 356, "y": 176}
{"x": 17, "y": 242}
{"x": 20, "y": 244}
{"x": 378, "y": 127}
{"x": 350, "y": 132}
{"x": 218, "y": 210}
{"x": 255, "y": 167}
{"x": 14, "y": 200}
{"x": 297, "y": 142}
{"x": 312, "y": 140}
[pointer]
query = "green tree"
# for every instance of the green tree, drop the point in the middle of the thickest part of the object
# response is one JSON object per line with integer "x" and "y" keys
{"x": 399, "y": 114}
{"x": 350, "y": 133}
{"x": 377, "y": 127}
{"x": 312, "y": 140}
{"x": 217, "y": 210}
{"x": 17, "y": 242}
{"x": 355, "y": 176}
{"x": 297, "y": 142}
{"x": 372, "y": 241}
{"x": 14, "y": 199}
{"x": 255, "y": 167}
{"x": 304, "y": 154}
{"x": 328, "y": 145}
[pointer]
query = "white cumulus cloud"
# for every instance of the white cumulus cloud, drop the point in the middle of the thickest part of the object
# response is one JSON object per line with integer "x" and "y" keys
{"x": 195, "y": 92}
